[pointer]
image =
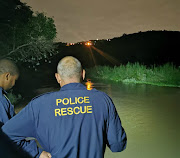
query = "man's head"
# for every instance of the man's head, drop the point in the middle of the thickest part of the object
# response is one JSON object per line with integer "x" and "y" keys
{"x": 9, "y": 73}
{"x": 69, "y": 70}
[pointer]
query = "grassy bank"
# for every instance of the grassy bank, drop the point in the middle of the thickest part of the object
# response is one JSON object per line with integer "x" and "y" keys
{"x": 166, "y": 75}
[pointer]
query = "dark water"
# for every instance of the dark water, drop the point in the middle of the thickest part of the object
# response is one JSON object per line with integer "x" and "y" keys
{"x": 150, "y": 116}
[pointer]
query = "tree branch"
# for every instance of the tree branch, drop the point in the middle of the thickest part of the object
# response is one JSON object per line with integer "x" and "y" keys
{"x": 19, "y": 47}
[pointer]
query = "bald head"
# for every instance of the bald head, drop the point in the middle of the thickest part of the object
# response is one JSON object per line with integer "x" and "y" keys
{"x": 8, "y": 66}
{"x": 69, "y": 68}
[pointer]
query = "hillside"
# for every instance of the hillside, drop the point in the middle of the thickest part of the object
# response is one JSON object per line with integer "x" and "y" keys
{"x": 149, "y": 48}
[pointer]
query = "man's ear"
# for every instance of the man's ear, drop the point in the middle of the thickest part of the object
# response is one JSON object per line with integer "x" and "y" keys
{"x": 83, "y": 74}
{"x": 58, "y": 78}
{"x": 7, "y": 75}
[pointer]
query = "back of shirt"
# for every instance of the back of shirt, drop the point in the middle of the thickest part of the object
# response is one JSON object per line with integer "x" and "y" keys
{"x": 72, "y": 122}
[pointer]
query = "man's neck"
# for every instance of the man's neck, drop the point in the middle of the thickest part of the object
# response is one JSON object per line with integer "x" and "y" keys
{"x": 63, "y": 83}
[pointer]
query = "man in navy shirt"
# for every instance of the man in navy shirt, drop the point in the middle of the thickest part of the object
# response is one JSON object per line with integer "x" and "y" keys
{"x": 9, "y": 73}
{"x": 72, "y": 122}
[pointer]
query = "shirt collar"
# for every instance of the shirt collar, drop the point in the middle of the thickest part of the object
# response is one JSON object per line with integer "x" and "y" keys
{"x": 3, "y": 91}
{"x": 72, "y": 86}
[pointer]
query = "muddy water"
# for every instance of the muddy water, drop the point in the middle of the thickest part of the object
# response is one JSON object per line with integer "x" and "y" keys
{"x": 150, "y": 116}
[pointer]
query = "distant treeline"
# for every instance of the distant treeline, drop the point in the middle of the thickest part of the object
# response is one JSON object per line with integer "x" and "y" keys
{"x": 165, "y": 75}
{"x": 148, "y": 48}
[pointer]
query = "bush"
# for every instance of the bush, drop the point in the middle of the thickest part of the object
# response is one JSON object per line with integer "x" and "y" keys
{"x": 165, "y": 75}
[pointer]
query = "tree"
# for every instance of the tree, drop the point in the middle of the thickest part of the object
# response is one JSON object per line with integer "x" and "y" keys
{"x": 28, "y": 37}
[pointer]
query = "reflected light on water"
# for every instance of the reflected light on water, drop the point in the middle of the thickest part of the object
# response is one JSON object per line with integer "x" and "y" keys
{"x": 89, "y": 85}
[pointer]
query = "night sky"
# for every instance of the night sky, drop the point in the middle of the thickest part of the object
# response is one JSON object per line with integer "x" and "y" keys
{"x": 79, "y": 20}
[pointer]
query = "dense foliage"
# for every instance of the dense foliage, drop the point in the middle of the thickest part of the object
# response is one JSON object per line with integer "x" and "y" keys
{"x": 25, "y": 36}
{"x": 165, "y": 75}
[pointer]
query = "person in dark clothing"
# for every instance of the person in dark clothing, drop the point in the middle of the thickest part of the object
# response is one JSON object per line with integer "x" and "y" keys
{"x": 9, "y": 73}
{"x": 73, "y": 122}
{"x": 10, "y": 150}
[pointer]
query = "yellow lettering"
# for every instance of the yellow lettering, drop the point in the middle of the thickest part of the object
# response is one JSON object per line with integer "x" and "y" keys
{"x": 71, "y": 102}
{"x": 70, "y": 111}
{"x": 65, "y": 103}
{"x": 81, "y": 101}
{"x": 75, "y": 110}
{"x": 89, "y": 109}
{"x": 76, "y": 100}
{"x": 63, "y": 110}
{"x": 86, "y": 100}
{"x": 57, "y": 111}
{"x": 84, "y": 109}
{"x": 58, "y": 101}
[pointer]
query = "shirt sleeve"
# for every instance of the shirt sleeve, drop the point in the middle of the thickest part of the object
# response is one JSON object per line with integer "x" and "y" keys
{"x": 116, "y": 136}
{"x": 10, "y": 150}
{"x": 12, "y": 110}
{"x": 21, "y": 126}
{"x": 3, "y": 114}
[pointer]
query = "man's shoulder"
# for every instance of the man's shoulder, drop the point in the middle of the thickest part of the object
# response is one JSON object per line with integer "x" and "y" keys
{"x": 1, "y": 104}
{"x": 4, "y": 102}
{"x": 1, "y": 93}
{"x": 45, "y": 95}
{"x": 99, "y": 93}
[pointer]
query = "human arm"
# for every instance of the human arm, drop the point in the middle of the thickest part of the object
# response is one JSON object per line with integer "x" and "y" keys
{"x": 45, "y": 154}
{"x": 21, "y": 126}
{"x": 4, "y": 117}
{"x": 116, "y": 136}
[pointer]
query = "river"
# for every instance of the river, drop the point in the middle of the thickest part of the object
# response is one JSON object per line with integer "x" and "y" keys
{"x": 150, "y": 116}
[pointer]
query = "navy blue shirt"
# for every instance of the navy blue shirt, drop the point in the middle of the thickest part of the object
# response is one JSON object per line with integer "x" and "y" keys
{"x": 6, "y": 108}
{"x": 72, "y": 122}
{"x": 6, "y": 113}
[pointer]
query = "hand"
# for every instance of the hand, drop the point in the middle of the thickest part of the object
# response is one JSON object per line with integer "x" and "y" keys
{"x": 45, "y": 154}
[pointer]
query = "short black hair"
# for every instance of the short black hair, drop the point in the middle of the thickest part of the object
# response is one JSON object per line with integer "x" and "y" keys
{"x": 7, "y": 65}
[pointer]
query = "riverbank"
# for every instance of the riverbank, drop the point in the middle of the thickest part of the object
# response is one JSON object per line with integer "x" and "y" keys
{"x": 165, "y": 75}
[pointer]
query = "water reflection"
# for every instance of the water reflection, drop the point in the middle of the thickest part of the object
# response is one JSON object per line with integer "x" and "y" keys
{"x": 150, "y": 116}
{"x": 89, "y": 85}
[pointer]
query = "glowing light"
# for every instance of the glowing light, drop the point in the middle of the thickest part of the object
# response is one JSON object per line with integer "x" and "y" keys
{"x": 70, "y": 44}
{"x": 107, "y": 56}
{"x": 89, "y": 85}
{"x": 67, "y": 44}
{"x": 89, "y": 43}
{"x": 92, "y": 55}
